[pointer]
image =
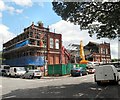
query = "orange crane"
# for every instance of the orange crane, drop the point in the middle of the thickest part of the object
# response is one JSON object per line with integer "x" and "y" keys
{"x": 82, "y": 55}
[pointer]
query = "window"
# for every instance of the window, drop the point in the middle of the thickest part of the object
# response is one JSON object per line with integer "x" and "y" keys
{"x": 106, "y": 51}
{"x": 51, "y": 43}
{"x": 57, "y": 43}
{"x": 38, "y": 36}
{"x": 38, "y": 43}
{"x": 103, "y": 50}
{"x": 31, "y": 34}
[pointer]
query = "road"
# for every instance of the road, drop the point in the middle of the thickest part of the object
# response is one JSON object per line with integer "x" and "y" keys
{"x": 57, "y": 87}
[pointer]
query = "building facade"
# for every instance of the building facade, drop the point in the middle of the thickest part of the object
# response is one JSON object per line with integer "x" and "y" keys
{"x": 36, "y": 46}
{"x": 98, "y": 52}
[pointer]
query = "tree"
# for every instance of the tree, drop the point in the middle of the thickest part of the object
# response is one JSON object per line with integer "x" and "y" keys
{"x": 100, "y": 18}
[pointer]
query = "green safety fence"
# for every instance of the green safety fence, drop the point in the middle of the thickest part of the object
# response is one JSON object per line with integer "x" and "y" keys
{"x": 62, "y": 69}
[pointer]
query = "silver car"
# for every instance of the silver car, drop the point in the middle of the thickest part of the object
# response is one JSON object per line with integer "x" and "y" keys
{"x": 32, "y": 74}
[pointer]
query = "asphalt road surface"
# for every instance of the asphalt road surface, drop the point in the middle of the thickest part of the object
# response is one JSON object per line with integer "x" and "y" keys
{"x": 57, "y": 87}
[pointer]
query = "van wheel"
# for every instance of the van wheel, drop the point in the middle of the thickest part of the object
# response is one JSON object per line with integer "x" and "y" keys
{"x": 15, "y": 76}
{"x": 9, "y": 75}
{"x": 98, "y": 83}
{"x": 116, "y": 82}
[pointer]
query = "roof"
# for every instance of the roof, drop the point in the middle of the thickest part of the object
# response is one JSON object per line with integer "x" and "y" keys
{"x": 92, "y": 43}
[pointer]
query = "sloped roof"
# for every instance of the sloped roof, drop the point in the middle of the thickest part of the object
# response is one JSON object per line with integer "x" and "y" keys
{"x": 92, "y": 43}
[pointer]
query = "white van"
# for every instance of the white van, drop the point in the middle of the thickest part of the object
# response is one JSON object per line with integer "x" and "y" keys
{"x": 16, "y": 71}
{"x": 106, "y": 73}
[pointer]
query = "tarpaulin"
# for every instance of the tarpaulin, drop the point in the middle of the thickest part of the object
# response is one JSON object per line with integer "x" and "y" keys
{"x": 22, "y": 44}
{"x": 25, "y": 61}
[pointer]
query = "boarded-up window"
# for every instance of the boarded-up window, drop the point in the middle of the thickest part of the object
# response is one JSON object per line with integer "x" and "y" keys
{"x": 51, "y": 59}
{"x": 57, "y": 60}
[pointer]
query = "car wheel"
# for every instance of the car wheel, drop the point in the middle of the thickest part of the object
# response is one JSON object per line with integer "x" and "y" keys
{"x": 39, "y": 77}
{"x": 31, "y": 77}
{"x": 72, "y": 75}
{"x": 86, "y": 73}
{"x": 22, "y": 76}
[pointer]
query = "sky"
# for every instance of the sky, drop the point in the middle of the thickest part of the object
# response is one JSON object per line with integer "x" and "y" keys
{"x": 15, "y": 15}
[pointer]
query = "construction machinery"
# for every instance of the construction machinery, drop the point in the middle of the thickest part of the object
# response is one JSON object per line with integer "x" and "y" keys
{"x": 82, "y": 55}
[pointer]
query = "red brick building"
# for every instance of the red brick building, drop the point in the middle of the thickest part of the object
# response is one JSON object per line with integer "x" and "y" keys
{"x": 34, "y": 47}
{"x": 98, "y": 52}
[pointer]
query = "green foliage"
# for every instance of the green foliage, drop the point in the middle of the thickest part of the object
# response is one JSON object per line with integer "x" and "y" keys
{"x": 115, "y": 60}
{"x": 106, "y": 14}
{"x": 0, "y": 54}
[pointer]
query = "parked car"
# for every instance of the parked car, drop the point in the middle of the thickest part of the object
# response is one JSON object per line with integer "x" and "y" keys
{"x": 32, "y": 74}
{"x": 78, "y": 71}
{"x": 106, "y": 73}
{"x": 91, "y": 70}
{"x": 92, "y": 64}
{"x": 3, "y": 72}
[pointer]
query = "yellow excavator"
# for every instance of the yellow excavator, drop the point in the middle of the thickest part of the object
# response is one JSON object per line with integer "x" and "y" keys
{"x": 82, "y": 55}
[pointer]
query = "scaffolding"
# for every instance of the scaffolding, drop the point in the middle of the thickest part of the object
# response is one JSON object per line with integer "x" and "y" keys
{"x": 27, "y": 48}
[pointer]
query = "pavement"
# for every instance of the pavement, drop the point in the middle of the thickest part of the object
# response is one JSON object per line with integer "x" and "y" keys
{"x": 54, "y": 77}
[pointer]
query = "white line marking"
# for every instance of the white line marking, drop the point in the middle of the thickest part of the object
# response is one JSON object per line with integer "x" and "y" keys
{"x": 11, "y": 96}
{"x": 0, "y": 86}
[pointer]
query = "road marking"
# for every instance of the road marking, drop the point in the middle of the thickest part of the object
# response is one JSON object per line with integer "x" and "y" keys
{"x": 0, "y": 86}
{"x": 10, "y": 96}
{"x": 40, "y": 81}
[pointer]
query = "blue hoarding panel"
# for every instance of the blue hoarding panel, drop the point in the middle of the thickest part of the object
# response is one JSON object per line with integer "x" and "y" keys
{"x": 24, "y": 61}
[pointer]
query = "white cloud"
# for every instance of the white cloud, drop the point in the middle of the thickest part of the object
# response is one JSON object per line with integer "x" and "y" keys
{"x": 2, "y": 5}
{"x": 10, "y": 9}
{"x": 72, "y": 34}
{"x": 18, "y": 11}
{"x": 23, "y": 2}
{"x": 5, "y": 35}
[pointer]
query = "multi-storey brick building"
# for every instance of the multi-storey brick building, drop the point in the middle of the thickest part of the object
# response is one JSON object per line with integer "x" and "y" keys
{"x": 35, "y": 46}
{"x": 93, "y": 52}
{"x": 98, "y": 52}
